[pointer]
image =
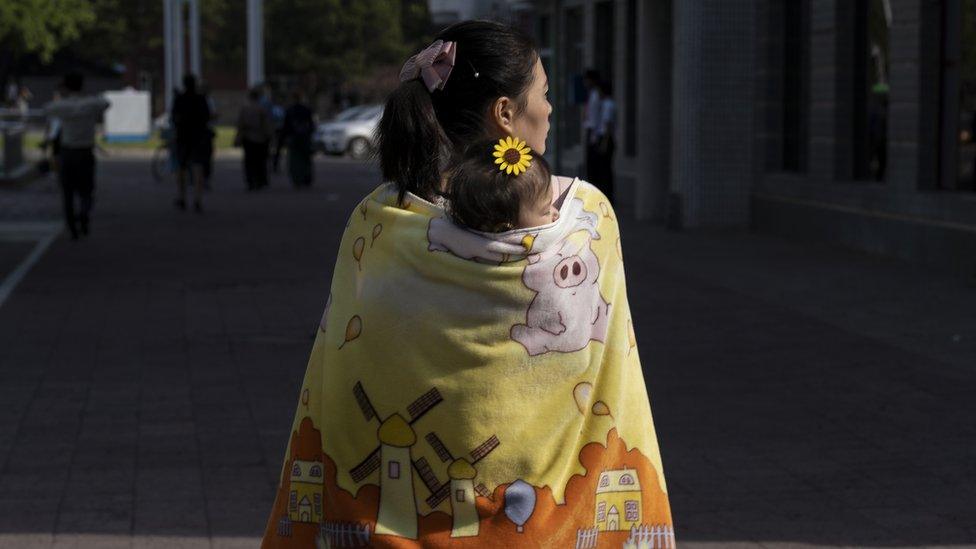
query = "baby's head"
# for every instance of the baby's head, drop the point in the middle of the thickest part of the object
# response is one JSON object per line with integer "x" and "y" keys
{"x": 486, "y": 198}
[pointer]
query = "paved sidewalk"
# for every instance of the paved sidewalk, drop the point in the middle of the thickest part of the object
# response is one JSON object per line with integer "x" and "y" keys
{"x": 803, "y": 396}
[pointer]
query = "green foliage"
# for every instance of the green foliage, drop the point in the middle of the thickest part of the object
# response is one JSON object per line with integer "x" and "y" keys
{"x": 42, "y": 26}
{"x": 342, "y": 41}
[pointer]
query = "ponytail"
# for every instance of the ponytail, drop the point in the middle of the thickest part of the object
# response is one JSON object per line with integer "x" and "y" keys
{"x": 411, "y": 141}
{"x": 421, "y": 130}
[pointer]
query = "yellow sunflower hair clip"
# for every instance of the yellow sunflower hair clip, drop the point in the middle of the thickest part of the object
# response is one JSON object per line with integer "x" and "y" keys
{"x": 512, "y": 155}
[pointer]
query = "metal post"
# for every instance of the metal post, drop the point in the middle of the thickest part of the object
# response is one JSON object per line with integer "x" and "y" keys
{"x": 255, "y": 42}
{"x": 195, "y": 38}
{"x": 167, "y": 53}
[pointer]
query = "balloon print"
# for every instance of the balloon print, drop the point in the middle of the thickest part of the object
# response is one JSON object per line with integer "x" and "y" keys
{"x": 376, "y": 232}
{"x": 353, "y": 329}
{"x": 581, "y": 393}
{"x": 357, "y": 251}
{"x": 519, "y": 503}
{"x": 600, "y": 408}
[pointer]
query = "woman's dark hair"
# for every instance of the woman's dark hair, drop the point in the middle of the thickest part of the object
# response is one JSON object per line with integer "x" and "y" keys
{"x": 487, "y": 199}
{"x": 420, "y": 130}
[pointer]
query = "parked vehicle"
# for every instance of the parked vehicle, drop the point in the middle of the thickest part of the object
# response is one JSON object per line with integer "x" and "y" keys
{"x": 351, "y": 132}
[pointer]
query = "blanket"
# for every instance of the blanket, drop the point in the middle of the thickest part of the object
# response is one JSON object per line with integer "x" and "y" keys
{"x": 474, "y": 390}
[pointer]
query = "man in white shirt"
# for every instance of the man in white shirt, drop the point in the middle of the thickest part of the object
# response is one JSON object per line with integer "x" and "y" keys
{"x": 79, "y": 115}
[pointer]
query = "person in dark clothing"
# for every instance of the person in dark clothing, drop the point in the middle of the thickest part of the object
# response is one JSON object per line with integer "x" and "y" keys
{"x": 190, "y": 117}
{"x": 254, "y": 132}
{"x": 604, "y": 144}
{"x": 296, "y": 135}
{"x": 78, "y": 116}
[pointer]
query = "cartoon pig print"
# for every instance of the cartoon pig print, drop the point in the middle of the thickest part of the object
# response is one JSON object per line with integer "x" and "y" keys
{"x": 568, "y": 310}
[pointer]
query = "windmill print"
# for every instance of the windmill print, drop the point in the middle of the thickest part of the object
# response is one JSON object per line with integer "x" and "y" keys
{"x": 397, "y": 514}
{"x": 461, "y": 488}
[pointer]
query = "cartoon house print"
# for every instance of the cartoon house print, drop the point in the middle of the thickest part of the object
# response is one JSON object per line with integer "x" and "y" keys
{"x": 398, "y": 506}
{"x": 462, "y": 499}
{"x": 618, "y": 500}
{"x": 305, "y": 492}
{"x": 461, "y": 489}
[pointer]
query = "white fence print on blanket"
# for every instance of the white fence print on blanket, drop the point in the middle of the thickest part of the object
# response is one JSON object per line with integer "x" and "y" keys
{"x": 658, "y": 536}
{"x": 586, "y": 539}
{"x": 345, "y": 534}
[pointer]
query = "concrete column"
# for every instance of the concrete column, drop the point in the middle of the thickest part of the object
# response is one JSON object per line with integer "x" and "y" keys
{"x": 179, "y": 62}
{"x": 255, "y": 42}
{"x": 653, "y": 109}
{"x": 713, "y": 97}
{"x": 168, "y": 79}
{"x": 195, "y": 67}
{"x": 913, "y": 119}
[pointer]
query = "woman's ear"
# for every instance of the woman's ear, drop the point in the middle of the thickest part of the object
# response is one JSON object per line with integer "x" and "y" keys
{"x": 503, "y": 114}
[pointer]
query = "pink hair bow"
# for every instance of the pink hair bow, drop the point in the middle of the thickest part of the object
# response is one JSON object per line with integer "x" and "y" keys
{"x": 433, "y": 65}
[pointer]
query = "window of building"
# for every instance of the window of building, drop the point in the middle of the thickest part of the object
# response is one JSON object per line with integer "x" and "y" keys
{"x": 626, "y": 480}
{"x": 604, "y": 481}
{"x": 630, "y": 92}
{"x": 966, "y": 173}
{"x": 293, "y": 500}
{"x": 315, "y": 471}
{"x": 601, "y": 511}
{"x": 394, "y": 471}
{"x": 795, "y": 67}
{"x": 573, "y": 94}
{"x": 603, "y": 39}
{"x": 460, "y": 495}
{"x": 872, "y": 23}
{"x": 296, "y": 471}
{"x": 630, "y": 510}
{"x": 317, "y": 499}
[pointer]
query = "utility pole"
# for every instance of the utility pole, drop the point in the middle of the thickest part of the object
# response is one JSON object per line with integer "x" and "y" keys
{"x": 255, "y": 42}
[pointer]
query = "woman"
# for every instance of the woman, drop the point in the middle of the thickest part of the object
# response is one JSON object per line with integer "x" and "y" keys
{"x": 468, "y": 389}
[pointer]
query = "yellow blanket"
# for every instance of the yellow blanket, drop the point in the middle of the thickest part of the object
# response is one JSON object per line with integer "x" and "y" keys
{"x": 474, "y": 390}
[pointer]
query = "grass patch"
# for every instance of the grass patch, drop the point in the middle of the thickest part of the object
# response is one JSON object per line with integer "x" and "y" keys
{"x": 224, "y": 140}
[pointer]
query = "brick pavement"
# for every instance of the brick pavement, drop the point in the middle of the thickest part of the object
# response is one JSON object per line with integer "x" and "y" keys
{"x": 803, "y": 396}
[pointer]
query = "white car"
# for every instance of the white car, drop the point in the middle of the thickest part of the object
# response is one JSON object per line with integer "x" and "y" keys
{"x": 351, "y": 132}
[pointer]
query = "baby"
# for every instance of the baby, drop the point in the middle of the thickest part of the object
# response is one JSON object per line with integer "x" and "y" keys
{"x": 510, "y": 188}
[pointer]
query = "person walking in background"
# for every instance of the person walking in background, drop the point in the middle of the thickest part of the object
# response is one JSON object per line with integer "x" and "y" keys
{"x": 22, "y": 104}
{"x": 591, "y": 119}
{"x": 254, "y": 132}
{"x": 296, "y": 135}
{"x": 190, "y": 118}
{"x": 604, "y": 143}
{"x": 79, "y": 115}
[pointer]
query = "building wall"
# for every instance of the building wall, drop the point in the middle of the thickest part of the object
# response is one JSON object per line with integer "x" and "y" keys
{"x": 711, "y": 117}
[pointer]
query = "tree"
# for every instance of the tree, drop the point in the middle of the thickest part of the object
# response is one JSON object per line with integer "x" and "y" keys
{"x": 39, "y": 26}
{"x": 342, "y": 42}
